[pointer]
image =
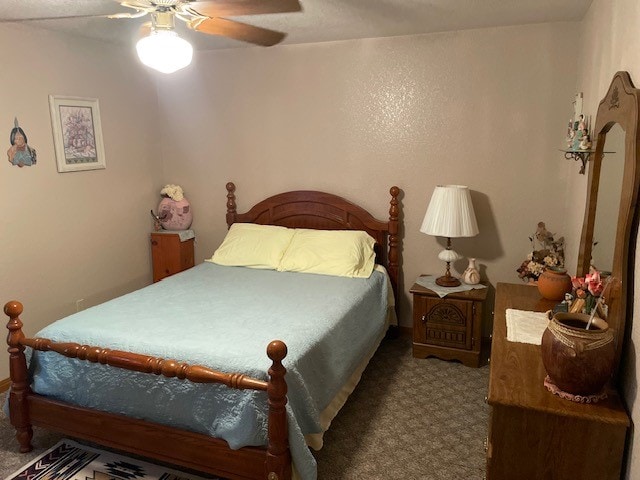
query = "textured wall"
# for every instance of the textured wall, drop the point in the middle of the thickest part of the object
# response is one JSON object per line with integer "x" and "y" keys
{"x": 485, "y": 108}
{"x": 80, "y": 235}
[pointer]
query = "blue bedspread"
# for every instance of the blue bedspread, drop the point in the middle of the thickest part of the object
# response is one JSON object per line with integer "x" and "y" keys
{"x": 222, "y": 318}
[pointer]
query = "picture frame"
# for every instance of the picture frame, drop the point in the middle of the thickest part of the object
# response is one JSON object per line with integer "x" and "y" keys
{"x": 77, "y": 133}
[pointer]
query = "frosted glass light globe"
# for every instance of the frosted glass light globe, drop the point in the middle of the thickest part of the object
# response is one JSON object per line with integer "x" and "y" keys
{"x": 165, "y": 51}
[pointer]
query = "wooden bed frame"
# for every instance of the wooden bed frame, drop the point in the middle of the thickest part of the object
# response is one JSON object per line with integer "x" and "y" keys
{"x": 302, "y": 209}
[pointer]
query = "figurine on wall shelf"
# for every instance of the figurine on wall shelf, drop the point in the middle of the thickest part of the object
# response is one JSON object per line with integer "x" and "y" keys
{"x": 585, "y": 143}
{"x": 578, "y": 131}
{"x": 570, "y": 134}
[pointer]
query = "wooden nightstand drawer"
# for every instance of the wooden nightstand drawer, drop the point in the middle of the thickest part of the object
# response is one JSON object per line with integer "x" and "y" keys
{"x": 170, "y": 254}
{"x": 449, "y": 328}
{"x": 443, "y": 322}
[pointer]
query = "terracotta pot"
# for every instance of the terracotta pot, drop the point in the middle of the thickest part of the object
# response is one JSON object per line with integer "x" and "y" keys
{"x": 577, "y": 360}
{"x": 175, "y": 215}
{"x": 554, "y": 283}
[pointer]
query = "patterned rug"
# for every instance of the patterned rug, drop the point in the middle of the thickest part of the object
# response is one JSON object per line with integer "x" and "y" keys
{"x": 68, "y": 460}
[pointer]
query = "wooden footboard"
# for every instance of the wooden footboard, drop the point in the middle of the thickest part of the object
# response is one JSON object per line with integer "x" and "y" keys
{"x": 160, "y": 442}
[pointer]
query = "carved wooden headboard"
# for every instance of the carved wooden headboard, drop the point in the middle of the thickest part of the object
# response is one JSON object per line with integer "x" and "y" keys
{"x": 325, "y": 211}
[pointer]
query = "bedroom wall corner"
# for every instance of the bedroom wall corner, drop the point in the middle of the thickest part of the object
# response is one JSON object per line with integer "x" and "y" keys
{"x": 79, "y": 235}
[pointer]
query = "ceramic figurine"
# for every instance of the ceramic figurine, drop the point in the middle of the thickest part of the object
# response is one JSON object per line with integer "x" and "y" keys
{"x": 471, "y": 276}
{"x": 20, "y": 153}
{"x": 585, "y": 144}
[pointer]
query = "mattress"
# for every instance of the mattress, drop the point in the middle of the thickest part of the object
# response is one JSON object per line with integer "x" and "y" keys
{"x": 223, "y": 318}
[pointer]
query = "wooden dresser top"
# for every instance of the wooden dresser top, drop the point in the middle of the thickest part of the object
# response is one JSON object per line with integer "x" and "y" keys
{"x": 516, "y": 369}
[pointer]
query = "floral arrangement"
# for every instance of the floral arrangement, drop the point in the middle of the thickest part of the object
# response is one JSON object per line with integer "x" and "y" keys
{"x": 174, "y": 192}
{"x": 545, "y": 252}
{"x": 586, "y": 292}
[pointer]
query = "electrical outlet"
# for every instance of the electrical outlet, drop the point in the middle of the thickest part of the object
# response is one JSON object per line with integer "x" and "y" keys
{"x": 79, "y": 304}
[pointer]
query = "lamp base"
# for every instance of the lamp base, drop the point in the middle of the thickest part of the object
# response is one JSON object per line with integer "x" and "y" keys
{"x": 447, "y": 281}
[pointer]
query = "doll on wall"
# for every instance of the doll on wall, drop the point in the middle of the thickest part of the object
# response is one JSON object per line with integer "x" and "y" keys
{"x": 20, "y": 153}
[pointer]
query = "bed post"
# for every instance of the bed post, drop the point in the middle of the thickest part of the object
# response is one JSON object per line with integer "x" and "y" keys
{"x": 278, "y": 464}
{"x": 394, "y": 214}
{"x": 18, "y": 408}
{"x": 231, "y": 203}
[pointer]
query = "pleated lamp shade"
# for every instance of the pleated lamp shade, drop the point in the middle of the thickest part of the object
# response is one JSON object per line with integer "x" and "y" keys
{"x": 450, "y": 213}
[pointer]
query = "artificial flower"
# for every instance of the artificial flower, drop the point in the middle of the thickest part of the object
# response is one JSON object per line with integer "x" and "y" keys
{"x": 586, "y": 291}
{"x": 174, "y": 192}
{"x": 594, "y": 283}
{"x": 546, "y": 252}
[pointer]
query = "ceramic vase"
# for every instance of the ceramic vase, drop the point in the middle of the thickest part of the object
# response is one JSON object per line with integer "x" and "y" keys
{"x": 175, "y": 215}
{"x": 471, "y": 276}
{"x": 554, "y": 283}
{"x": 578, "y": 361}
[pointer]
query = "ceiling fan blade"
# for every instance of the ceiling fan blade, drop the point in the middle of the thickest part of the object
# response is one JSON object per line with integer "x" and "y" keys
{"x": 229, "y": 8}
{"x": 237, "y": 31}
{"x": 138, "y": 14}
{"x": 62, "y": 17}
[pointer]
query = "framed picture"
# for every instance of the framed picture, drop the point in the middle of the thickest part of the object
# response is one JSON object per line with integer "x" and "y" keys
{"x": 77, "y": 133}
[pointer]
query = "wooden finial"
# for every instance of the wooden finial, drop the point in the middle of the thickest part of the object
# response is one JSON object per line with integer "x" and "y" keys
{"x": 277, "y": 350}
{"x": 231, "y": 203}
{"x": 278, "y": 456}
{"x": 13, "y": 309}
{"x": 19, "y": 377}
{"x": 394, "y": 215}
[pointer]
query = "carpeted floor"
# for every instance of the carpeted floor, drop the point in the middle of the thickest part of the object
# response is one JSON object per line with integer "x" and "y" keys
{"x": 408, "y": 419}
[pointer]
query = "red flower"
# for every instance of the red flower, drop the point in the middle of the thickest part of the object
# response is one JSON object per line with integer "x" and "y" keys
{"x": 594, "y": 283}
{"x": 577, "y": 282}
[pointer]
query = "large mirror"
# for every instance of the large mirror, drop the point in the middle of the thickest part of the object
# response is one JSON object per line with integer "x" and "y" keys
{"x": 611, "y": 219}
{"x": 608, "y": 201}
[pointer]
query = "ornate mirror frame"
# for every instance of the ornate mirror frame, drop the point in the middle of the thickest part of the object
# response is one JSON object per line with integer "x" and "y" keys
{"x": 621, "y": 105}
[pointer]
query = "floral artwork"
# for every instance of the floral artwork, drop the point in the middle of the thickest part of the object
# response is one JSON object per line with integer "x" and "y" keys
{"x": 546, "y": 252}
{"x": 77, "y": 133}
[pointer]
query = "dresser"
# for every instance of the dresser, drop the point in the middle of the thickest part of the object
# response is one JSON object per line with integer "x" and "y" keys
{"x": 534, "y": 434}
{"x": 449, "y": 328}
{"x": 171, "y": 253}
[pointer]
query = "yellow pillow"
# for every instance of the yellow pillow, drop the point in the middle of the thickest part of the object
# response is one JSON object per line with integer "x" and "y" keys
{"x": 345, "y": 253}
{"x": 253, "y": 245}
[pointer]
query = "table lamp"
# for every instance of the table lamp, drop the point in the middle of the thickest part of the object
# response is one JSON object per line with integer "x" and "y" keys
{"x": 450, "y": 214}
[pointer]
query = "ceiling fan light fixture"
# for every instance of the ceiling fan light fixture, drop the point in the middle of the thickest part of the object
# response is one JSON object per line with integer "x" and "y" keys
{"x": 164, "y": 51}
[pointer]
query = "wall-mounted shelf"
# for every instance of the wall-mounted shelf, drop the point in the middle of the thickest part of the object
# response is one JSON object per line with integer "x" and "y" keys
{"x": 580, "y": 155}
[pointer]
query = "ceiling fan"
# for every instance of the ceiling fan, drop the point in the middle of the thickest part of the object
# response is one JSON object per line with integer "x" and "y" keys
{"x": 160, "y": 46}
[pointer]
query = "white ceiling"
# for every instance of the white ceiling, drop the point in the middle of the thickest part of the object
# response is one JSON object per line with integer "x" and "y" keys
{"x": 319, "y": 21}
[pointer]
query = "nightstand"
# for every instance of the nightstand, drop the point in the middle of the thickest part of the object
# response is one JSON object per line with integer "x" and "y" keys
{"x": 171, "y": 252}
{"x": 449, "y": 328}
